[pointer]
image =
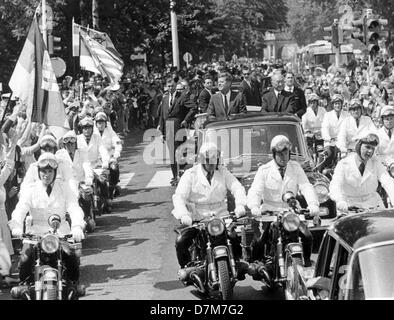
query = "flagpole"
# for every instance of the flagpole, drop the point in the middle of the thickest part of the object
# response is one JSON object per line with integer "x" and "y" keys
{"x": 44, "y": 22}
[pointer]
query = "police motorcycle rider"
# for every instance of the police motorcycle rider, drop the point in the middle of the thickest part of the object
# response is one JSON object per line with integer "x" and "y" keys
{"x": 49, "y": 144}
{"x": 355, "y": 179}
{"x": 312, "y": 120}
{"x": 353, "y": 127}
{"x": 82, "y": 172}
{"x": 91, "y": 143}
{"x": 200, "y": 194}
{"x": 46, "y": 196}
{"x": 332, "y": 121}
{"x": 385, "y": 149}
{"x": 113, "y": 144}
{"x": 272, "y": 181}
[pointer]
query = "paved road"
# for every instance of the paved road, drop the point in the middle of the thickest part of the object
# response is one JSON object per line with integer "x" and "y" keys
{"x": 131, "y": 254}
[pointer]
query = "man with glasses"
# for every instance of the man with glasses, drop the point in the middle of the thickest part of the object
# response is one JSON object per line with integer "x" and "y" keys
{"x": 356, "y": 178}
{"x": 353, "y": 127}
{"x": 250, "y": 89}
{"x": 277, "y": 99}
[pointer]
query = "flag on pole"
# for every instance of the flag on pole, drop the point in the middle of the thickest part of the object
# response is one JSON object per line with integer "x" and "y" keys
{"x": 34, "y": 82}
{"x": 100, "y": 37}
{"x": 95, "y": 57}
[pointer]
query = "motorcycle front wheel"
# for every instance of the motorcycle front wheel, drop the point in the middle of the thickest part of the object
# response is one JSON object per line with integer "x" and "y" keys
{"x": 224, "y": 279}
{"x": 294, "y": 286}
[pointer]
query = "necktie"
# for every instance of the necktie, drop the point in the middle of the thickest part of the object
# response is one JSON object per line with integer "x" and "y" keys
{"x": 209, "y": 176}
{"x": 282, "y": 172}
{"x": 49, "y": 190}
{"x": 389, "y": 133}
{"x": 361, "y": 167}
{"x": 226, "y": 104}
{"x": 358, "y": 122}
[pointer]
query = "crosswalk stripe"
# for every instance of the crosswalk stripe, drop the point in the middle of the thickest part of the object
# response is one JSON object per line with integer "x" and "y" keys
{"x": 125, "y": 179}
{"x": 160, "y": 179}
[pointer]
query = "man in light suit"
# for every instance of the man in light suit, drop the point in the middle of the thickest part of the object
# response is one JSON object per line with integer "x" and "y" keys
{"x": 226, "y": 101}
{"x": 278, "y": 100}
{"x": 250, "y": 89}
{"x": 353, "y": 127}
{"x": 205, "y": 95}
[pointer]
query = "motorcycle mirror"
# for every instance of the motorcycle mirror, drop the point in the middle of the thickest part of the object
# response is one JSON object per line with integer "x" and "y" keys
{"x": 54, "y": 221}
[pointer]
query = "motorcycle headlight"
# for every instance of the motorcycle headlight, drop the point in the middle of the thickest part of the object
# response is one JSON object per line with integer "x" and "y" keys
{"x": 50, "y": 243}
{"x": 322, "y": 192}
{"x": 391, "y": 170}
{"x": 216, "y": 227}
{"x": 291, "y": 222}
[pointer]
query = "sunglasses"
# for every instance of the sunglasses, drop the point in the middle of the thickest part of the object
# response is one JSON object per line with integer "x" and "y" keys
{"x": 68, "y": 140}
{"x": 87, "y": 127}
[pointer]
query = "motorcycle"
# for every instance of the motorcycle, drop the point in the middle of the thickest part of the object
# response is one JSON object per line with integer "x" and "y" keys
{"x": 49, "y": 280}
{"x": 381, "y": 191}
{"x": 315, "y": 144}
{"x": 212, "y": 267}
{"x": 113, "y": 180}
{"x": 283, "y": 262}
{"x": 100, "y": 197}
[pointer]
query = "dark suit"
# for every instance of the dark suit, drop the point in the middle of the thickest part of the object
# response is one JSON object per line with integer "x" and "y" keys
{"x": 162, "y": 112}
{"x": 216, "y": 109}
{"x": 203, "y": 100}
{"x": 285, "y": 103}
{"x": 300, "y": 101}
{"x": 183, "y": 109}
{"x": 252, "y": 93}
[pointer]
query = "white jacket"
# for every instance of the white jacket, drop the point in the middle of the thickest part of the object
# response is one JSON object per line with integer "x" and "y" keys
{"x": 311, "y": 121}
{"x": 349, "y": 133}
{"x": 81, "y": 169}
{"x": 348, "y": 185}
{"x": 330, "y": 126}
{"x": 95, "y": 150}
{"x": 111, "y": 141}
{"x": 196, "y": 197}
{"x": 385, "y": 149}
{"x": 40, "y": 206}
{"x": 268, "y": 186}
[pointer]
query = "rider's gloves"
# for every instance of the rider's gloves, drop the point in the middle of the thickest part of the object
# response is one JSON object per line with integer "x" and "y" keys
{"x": 256, "y": 211}
{"x": 17, "y": 232}
{"x": 77, "y": 233}
{"x": 342, "y": 206}
{"x": 186, "y": 220}
{"x": 314, "y": 210}
{"x": 239, "y": 211}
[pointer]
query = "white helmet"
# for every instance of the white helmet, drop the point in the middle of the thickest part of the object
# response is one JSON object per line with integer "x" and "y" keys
{"x": 209, "y": 150}
{"x": 279, "y": 143}
{"x": 386, "y": 111}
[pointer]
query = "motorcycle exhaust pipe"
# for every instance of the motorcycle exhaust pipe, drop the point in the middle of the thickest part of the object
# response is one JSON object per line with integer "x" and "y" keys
{"x": 19, "y": 291}
{"x": 184, "y": 274}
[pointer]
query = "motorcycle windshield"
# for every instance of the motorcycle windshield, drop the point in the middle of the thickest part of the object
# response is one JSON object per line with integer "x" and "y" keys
{"x": 371, "y": 275}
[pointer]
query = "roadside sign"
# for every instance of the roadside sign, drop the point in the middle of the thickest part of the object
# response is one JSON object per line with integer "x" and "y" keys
{"x": 187, "y": 57}
{"x": 138, "y": 56}
{"x": 59, "y": 66}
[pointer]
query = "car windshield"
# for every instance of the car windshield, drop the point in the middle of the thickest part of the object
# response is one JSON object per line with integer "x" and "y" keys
{"x": 372, "y": 275}
{"x": 252, "y": 142}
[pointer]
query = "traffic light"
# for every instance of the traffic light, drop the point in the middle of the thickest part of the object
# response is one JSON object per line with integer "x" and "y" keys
{"x": 374, "y": 33}
{"x": 52, "y": 41}
{"x": 359, "y": 30}
{"x": 334, "y": 29}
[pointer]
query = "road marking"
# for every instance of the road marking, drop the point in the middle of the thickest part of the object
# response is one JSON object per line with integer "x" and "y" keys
{"x": 160, "y": 179}
{"x": 125, "y": 179}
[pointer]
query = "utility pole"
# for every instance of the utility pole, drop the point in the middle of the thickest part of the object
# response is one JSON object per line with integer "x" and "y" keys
{"x": 95, "y": 14}
{"x": 44, "y": 21}
{"x": 174, "y": 32}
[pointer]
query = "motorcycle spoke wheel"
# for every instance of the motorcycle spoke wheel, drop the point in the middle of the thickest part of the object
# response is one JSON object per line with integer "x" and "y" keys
{"x": 226, "y": 288}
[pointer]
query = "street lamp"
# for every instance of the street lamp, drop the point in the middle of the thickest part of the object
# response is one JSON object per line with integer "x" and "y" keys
{"x": 174, "y": 33}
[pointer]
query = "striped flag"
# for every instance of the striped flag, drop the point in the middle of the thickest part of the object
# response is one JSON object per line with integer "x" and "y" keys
{"x": 34, "y": 82}
{"x": 100, "y": 37}
{"x": 96, "y": 58}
